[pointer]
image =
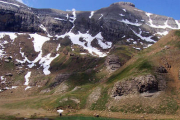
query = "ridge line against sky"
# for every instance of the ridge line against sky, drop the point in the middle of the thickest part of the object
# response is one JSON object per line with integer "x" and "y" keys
{"x": 168, "y": 8}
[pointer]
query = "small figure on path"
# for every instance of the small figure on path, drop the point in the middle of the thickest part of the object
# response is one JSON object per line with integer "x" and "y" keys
{"x": 60, "y": 112}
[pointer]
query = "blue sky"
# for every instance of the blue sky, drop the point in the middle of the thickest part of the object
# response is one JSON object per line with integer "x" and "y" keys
{"x": 169, "y": 8}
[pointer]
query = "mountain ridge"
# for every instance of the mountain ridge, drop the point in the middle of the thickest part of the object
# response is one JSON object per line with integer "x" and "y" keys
{"x": 110, "y": 59}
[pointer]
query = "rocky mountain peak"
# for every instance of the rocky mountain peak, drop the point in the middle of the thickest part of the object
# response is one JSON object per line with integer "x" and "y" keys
{"x": 124, "y": 3}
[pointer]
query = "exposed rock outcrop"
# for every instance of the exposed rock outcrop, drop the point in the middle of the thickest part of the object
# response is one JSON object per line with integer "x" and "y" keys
{"x": 112, "y": 63}
{"x": 139, "y": 84}
{"x": 59, "y": 79}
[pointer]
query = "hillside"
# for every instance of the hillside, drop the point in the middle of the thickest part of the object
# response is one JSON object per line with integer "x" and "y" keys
{"x": 116, "y": 60}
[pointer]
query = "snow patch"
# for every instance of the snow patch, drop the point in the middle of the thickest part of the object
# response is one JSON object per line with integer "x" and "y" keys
{"x": 74, "y": 16}
{"x": 160, "y": 26}
{"x": 178, "y": 24}
{"x": 58, "y": 47}
{"x": 148, "y": 46}
{"x": 104, "y": 45}
{"x": 38, "y": 41}
{"x": 162, "y": 33}
{"x": 43, "y": 61}
{"x": 88, "y": 39}
{"x": 10, "y": 3}
{"x": 137, "y": 48}
{"x": 83, "y": 53}
{"x": 92, "y": 13}
{"x": 129, "y": 23}
{"x": 14, "y": 87}
{"x": 124, "y": 36}
{"x": 60, "y": 19}
{"x": 143, "y": 38}
{"x": 42, "y": 27}
{"x": 12, "y": 35}
{"x": 121, "y": 15}
{"x": 28, "y": 87}
{"x": 100, "y": 16}
{"x": 46, "y": 61}
{"x": 67, "y": 16}
{"x": 124, "y": 10}
{"x": 27, "y": 76}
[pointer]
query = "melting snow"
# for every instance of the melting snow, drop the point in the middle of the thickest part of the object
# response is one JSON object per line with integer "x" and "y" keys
{"x": 130, "y": 23}
{"x": 124, "y": 10}
{"x": 162, "y": 33}
{"x": 27, "y": 76}
{"x": 46, "y": 61}
{"x": 43, "y": 61}
{"x": 60, "y": 19}
{"x": 178, "y": 24}
{"x": 101, "y": 16}
{"x": 2, "y": 43}
{"x": 67, "y": 16}
{"x": 143, "y": 38}
{"x": 11, "y": 35}
{"x": 38, "y": 41}
{"x": 121, "y": 15}
{"x": 74, "y": 16}
{"x": 42, "y": 27}
{"x": 3, "y": 79}
{"x": 28, "y": 87}
{"x": 58, "y": 47}
{"x": 92, "y": 13}
{"x": 148, "y": 46}
{"x": 137, "y": 48}
{"x": 124, "y": 36}
{"x": 88, "y": 38}
{"x": 160, "y": 26}
{"x": 14, "y": 87}
{"x": 10, "y": 3}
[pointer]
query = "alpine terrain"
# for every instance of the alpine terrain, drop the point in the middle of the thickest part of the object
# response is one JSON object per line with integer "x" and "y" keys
{"x": 117, "y": 61}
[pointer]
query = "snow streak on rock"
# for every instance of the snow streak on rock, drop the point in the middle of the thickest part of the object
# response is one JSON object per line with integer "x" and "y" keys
{"x": 101, "y": 16}
{"x": 143, "y": 38}
{"x": 88, "y": 38}
{"x": 44, "y": 61}
{"x": 129, "y": 23}
{"x": 92, "y": 13}
{"x": 74, "y": 16}
{"x": 60, "y": 19}
{"x": 12, "y": 35}
{"x": 4, "y": 42}
{"x": 43, "y": 28}
{"x": 160, "y": 26}
{"x": 27, "y": 76}
{"x": 121, "y": 15}
{"x": 178, "y": 23}
{"x": 10, "y": 3}
{"x": 124, "y": 10}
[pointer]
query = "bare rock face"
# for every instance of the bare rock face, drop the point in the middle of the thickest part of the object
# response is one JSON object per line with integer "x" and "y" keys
{"x": 59, "y": 79}
{"x": 139, "y": 84}
{"x": 119, "y": 22}
{"x": 112, "y": 63}
{"x": 124, "y": 3}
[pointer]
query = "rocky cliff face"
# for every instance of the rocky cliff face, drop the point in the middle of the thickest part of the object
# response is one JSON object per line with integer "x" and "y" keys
{"x": 139, "y": 84}
{"x": 120, "y": 22}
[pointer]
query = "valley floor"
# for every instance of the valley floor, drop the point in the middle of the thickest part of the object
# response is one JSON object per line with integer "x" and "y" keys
{"x": 30, "y": 113}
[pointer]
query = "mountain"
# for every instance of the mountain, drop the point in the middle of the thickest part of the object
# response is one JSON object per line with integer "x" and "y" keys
{"x": 105, "y": 60}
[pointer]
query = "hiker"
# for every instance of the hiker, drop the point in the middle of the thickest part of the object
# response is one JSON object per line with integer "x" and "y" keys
{"x": 60, "y": 112}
